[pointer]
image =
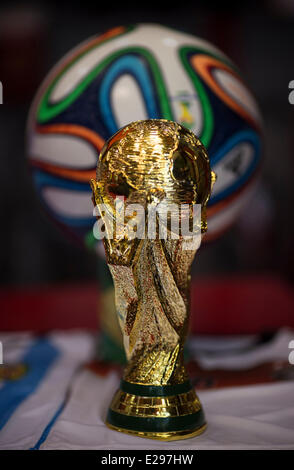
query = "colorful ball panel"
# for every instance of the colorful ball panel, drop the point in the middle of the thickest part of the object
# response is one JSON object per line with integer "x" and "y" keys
{"x": 140, "y": 72}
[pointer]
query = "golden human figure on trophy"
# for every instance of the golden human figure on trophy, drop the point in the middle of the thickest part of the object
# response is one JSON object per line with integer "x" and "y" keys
{"x": 152, "y": 186}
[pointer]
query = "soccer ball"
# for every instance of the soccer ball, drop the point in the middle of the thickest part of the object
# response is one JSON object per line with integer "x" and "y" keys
{"x": 131, "y": 73}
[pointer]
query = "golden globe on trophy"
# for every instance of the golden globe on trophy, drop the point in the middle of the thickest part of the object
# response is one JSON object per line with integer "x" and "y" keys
{"x": 152, "y": 185}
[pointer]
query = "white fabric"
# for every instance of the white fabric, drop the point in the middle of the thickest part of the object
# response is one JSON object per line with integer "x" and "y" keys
{"x": 247, "y": 417}
{"x": 276, "y": 349}
{"x": 24, "y": 428}
{"x": 258, "y": 417}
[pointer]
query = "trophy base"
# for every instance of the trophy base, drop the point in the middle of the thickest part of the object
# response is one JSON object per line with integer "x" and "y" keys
{"x": 161, "y": 436}
{"x": 166, "y": 413}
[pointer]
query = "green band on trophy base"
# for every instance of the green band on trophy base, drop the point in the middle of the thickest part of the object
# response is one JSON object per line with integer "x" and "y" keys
{"x": 155, "y": 390}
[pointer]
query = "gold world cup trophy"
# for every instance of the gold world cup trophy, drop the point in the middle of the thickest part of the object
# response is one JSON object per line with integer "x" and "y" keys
{"x": 147, "y": 174}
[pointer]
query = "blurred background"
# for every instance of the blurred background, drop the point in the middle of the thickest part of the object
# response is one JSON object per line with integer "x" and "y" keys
{"x": 257, "y": 36}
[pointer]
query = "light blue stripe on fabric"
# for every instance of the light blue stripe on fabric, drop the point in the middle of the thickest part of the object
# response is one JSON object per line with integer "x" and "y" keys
{"x": 39, "y": 358}
{"x": 48, "y": 428}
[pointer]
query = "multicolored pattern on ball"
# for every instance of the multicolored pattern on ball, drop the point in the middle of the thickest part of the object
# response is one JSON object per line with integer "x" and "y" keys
{"x": 131, "y": 73}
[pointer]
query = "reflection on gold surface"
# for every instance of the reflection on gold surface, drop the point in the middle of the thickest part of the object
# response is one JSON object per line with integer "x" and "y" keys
{"x": 161, "y": 407}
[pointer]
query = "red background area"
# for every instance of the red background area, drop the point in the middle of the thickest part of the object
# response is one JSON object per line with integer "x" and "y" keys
{"x": 237, "y": 305}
